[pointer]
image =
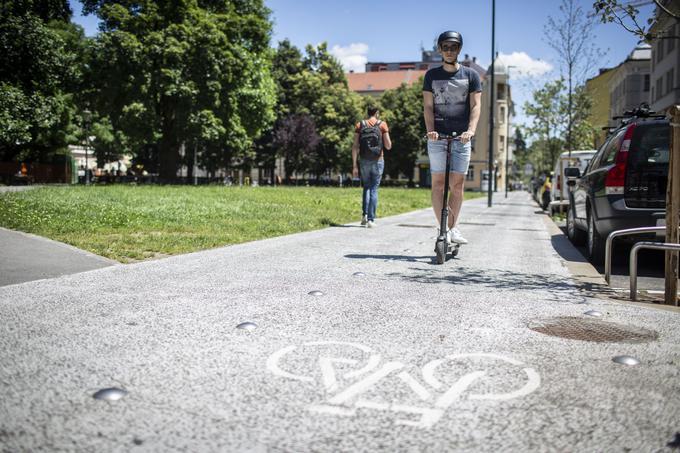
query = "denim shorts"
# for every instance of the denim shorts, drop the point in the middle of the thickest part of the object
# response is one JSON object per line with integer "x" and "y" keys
{"x": 460, "y": 156}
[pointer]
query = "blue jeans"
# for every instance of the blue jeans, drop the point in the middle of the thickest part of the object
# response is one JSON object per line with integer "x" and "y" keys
{"x": 371, "y": 174}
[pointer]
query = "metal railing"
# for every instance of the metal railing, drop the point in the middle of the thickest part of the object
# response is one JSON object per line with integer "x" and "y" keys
{"x": 633, "y": 261}
{"x": 615, "y": 234}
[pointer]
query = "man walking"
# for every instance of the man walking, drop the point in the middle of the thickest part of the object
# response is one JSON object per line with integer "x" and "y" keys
{"x": 371, "y": 138}
{"x": 451, "y": 104}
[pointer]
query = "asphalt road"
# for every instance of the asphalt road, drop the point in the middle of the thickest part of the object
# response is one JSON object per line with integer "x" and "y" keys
{"x": 405, "y": 356}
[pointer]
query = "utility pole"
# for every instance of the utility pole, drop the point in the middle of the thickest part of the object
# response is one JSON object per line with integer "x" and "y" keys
{"x": 673, "y": 210}
{"x": 492, "y": 104}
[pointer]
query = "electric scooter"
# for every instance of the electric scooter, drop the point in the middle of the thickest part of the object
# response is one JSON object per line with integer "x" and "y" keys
{"x": 442, "y": 247}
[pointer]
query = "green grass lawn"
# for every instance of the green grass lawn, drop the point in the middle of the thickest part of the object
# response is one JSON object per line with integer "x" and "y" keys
{"x": 132, "y": 223}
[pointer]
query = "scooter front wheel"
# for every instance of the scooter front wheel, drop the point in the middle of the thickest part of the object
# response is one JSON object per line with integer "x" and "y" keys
{"x": 441, "y": 248}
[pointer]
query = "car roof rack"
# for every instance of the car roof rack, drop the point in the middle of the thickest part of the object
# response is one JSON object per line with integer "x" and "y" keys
{"x": 642, "y": 111}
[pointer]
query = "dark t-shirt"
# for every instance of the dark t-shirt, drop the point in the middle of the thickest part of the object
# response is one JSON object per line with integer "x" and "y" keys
{"x": 451, "y": 93}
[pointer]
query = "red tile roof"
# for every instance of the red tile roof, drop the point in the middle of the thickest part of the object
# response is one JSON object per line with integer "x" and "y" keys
{"x": 379, "y": 81}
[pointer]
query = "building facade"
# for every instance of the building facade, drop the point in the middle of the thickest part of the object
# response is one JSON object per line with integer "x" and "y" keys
{"x": 479, "y": 175}
{"x": 600, "y": 115}
{"x": 665, "y": 59}
{"x": 630, "y": 82}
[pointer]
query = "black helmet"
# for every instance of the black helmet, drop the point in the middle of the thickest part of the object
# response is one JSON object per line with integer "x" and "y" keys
{"x": 450, "y": 36}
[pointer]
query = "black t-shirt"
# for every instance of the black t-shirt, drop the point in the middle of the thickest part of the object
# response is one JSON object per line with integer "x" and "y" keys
{"x": 451, "y": 93}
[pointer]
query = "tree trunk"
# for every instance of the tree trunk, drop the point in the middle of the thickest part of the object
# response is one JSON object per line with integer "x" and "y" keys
{"x": 169, "y": 147}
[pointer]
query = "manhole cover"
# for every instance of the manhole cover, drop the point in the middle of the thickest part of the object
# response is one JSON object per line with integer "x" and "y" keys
{"x": 591, "y": 330}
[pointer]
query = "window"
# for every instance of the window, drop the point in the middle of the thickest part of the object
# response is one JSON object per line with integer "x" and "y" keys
{"x": 669, "y": 81}
{"x": 470, "y": 176}
{"x": 659, "y": 50}
{"x": 645, "y": 86}
{"x": 501, "y": 115}
{"x": 609, "y": 154}
{"x": 659, "y": 88}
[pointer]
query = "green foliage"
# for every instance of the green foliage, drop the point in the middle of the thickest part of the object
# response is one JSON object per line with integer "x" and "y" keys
{"x": 315, "y": 85}
{"x": 627, "y": 16}
{"x": 403, "y": 111}
{"x": 549, "y": 111}
{"x": 45, "y": 10}
{"x": 38, "y": 69}
{"x": 185, "y": 72}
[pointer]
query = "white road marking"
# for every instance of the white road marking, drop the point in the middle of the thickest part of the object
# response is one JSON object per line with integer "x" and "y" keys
{"x": 328, "y": 371}
{"x": 369, "y": 381}
{"x": 417, "y": 388}
{"x": 274, "y": 360}
{"x": 454, "y": 392}
{"x": 533, "y": 383}
{"x": 341, "y": 405}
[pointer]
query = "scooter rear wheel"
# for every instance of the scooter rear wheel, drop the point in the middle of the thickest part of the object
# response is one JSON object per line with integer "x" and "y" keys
{"x": 441, "y": 248}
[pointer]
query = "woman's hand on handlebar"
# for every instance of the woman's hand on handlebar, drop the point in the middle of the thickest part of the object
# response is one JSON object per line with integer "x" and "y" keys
{"x": 433, "y": 135}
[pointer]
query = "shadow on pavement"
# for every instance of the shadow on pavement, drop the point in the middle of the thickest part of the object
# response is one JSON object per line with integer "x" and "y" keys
{"x": 496, "y": 279}
{"x": 413, "y": 259}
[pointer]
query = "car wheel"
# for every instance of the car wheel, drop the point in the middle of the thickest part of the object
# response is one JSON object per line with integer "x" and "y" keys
{"x": 575, "y": 235}
{"x": 595, "y": 244}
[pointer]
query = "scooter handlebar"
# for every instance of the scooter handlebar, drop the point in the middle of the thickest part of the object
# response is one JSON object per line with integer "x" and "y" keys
{"x": 452, "y": 136}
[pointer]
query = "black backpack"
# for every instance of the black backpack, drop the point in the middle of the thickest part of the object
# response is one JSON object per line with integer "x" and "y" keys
{"x": 370, "y": 141}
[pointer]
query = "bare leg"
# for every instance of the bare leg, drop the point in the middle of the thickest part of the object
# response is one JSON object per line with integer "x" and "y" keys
{"x": 438, "y": 195}
{"x": 457, "y": 183}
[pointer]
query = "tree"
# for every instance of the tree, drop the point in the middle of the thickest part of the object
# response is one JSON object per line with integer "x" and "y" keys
{"x": 572, "y": 36}
{"x": 626, "y": 15}
{"x": 38, "y": 70}
{"x": 549, "y": 111}
{"x": 315, "y": 85}
{"x": 403, "y": 111}
{"x": 185, "y": 73}
{"x": 296, "y": 138}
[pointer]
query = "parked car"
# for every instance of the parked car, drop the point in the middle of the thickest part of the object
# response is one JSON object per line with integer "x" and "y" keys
{"x": 559, "y": 194}
{"x": 624, "y": 185}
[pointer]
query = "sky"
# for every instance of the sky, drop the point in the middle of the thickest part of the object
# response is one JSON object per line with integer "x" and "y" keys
{"x": 395, "y": 30}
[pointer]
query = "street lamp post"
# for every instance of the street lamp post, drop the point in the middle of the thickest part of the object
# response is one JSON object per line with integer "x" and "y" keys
{"x": 492, "y": 104}
{"x": 507, "y": 133}
{"x": 87, "y": 119}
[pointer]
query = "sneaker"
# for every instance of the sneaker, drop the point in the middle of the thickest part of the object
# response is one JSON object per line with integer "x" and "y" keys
{"x": 448, "y": 237}
{"x": 364, "y": 220}
{"x": 371, "y": 224}
{"x": 456, "y": 236}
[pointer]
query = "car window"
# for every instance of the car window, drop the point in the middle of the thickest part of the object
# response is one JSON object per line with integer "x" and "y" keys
{"x": 595, "y": 161}
{"x": 609, "y": 155}
{"x": 650, "y": 145}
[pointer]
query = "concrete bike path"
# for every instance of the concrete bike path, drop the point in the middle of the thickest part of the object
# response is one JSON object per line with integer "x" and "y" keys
{"x": 395, "y": 353}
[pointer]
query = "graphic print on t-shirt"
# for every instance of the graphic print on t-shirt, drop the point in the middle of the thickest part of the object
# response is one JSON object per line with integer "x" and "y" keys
{"x": 450, "y": 98}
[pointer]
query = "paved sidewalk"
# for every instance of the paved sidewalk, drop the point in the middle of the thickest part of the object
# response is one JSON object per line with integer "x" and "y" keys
{"x": 396, "y": 353}
{"x": 27, "y": 257}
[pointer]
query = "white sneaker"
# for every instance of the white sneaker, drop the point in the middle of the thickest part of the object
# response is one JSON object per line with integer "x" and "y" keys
{"x": 364, "y": 220}
{"x": 456, "y": 236}
{"x": 448, "y": 237}
{"x": 371, "y": 224}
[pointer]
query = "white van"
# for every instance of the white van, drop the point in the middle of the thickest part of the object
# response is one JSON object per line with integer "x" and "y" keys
{"x": 559, "y": 194}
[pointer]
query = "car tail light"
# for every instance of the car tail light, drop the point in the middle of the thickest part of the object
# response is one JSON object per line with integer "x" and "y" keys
{"x": 616, "y": 176}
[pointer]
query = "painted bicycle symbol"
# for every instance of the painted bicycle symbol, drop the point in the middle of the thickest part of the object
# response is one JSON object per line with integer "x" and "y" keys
{"x": 351, "y": 372}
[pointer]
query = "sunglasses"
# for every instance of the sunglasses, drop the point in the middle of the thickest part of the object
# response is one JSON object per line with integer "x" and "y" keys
{"x": 452, "y": 48}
